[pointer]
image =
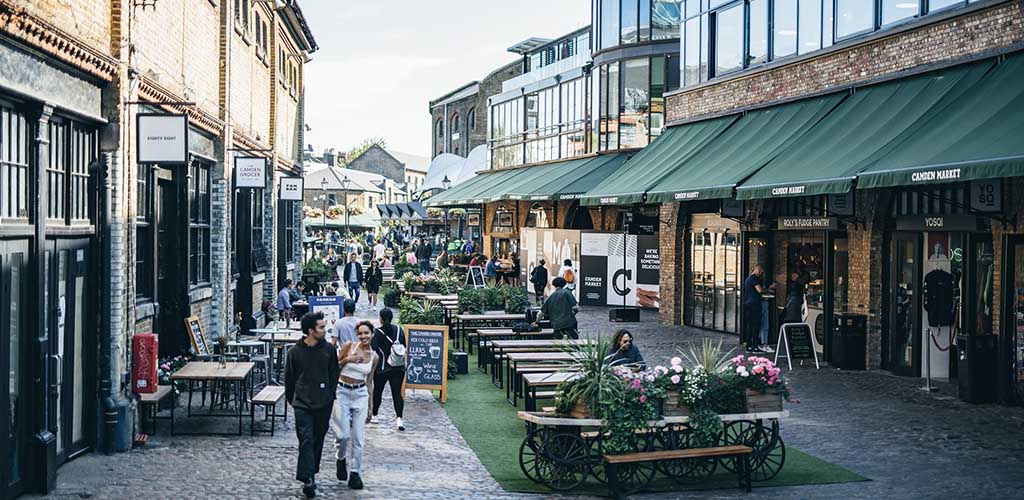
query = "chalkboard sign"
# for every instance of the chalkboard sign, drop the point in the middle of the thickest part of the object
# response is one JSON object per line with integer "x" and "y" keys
{"x": 426, "y": 361}
{"x": 475, "y": 277}
{"x": 795, "y": 340}
{"x": 196, "y": 335}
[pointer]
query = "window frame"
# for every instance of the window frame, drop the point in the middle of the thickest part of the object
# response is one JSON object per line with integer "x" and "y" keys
{"x": 199, "y": 222}
{"x": 145, "y": 230}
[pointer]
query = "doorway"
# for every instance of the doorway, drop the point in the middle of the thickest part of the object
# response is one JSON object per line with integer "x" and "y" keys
{"x": 902, "y": 339}
{"x": 73, "y": 341}
{"x": 1011, "y": 340}
{"x": 172, "y": 278}
{"x": 14, "y": 344}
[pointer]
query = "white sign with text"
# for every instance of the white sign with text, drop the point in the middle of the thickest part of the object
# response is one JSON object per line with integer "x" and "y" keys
{"x": 162, "y": 138}
{"x": 291, "y": 188}
{"x": 250, "y": 172}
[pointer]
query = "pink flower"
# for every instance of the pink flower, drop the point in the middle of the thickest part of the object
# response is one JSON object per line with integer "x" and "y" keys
{"x": 676, "y": 360}
{"x": 677, "y": 368}
{"x": 770, "y": 382}
{"x": 636, "y": 383}
{"x": 737, "y": 360}
{"x": 758, "y": 369}
{"x": 643, "y": 399}
{"x": 649, "y": 378}
{"x": 675, "y": 379}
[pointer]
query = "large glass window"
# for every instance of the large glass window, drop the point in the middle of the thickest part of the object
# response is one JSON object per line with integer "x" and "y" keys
{"x": 630, "y": 26}
{"x": 729, "y": 40}
{"x": 609, "y": 23}
{"x": 635, "y": 106}
{"x": 657, "y": 113}
{"x": 144, "y": 233}
{"x": 894, "y": 11}
{"x": 613, "y": 106}
{"x": 784, "y": 28}
{"x": 712, "y": 282}
{"x": 631, "y": 102}
{"x": 199, "y": 222}
{"x": 645, "y": 20}
{"x": 14, "y": 141}
{"x": 691, "y": 52}
{"x": 854, "y": 17}
{"x": 758, "y": 23}
{"x": 56, "y": 172}
{"x": 810, "y": 26}
{"x": 934, "y": 5}
{"x": 259, "y": 254}
{"x": 665, "y": 17}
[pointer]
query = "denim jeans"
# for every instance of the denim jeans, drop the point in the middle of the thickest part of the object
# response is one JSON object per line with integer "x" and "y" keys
{"x": 353, "y": 290}
{"x": 424, "y": 265}
{"x": 311, "y": 428}
{"x": 349, "y": 422}
{"x": 764, "y": 322}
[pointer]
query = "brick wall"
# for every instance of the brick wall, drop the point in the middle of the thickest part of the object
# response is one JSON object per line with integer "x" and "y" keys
{"x": 378, "y": 161}
{"x": 442, "y": 144}
{"x": 490, "y": 86}
{"x": 671, "y": 236}
{"x": 942, "y": 42}
{"x": 86, "y": 20}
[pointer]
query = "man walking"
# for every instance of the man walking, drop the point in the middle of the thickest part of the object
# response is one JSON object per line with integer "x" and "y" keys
{"x": 539, "y": 278}
{"x": 423, "y": 253}
{"x": 311, "y": 379}
{"x": 353, "y": 275}
{"x": 284, "y": 302}
{"x": 345, "y": 328}
{"x": 753, "y": 287}
{"x": 561, "y": 309}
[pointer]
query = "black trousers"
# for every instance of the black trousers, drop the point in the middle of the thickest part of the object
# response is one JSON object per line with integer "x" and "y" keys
{"x": 752, "y": 325}
{"x": 538, "y": 290}
{"x": 311, "y": 428}
{"x": 395, "y": 379}
{"x": 566, "y": 333}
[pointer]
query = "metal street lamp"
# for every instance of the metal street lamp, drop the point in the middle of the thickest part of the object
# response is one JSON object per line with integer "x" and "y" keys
{"x": 323, "y": 186}
{"x": 445, "y": 183}
{"x": 345, "y": 181}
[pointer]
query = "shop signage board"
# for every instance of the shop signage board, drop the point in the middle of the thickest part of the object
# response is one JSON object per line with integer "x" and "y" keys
{"x": 330, "y": 305}
{"x": 196, "y": 335}
{"x": 554, "y": 246}
{"x": 605, "y": 277}
{"x": 808, "y": 223}
{"x": 250, "y": 172}
{"x": 475, "y": 277}
{"x": 291, "y": 189}
{"x": 937, "y": 223}
{"x": 987, "y": 196}
{"x": 795, "y": 340}
{"x": 713, "y": 223}
{"x": 161, "y": 138}
{"x": 426, "y": 360}
{"x": 841, "y": 204}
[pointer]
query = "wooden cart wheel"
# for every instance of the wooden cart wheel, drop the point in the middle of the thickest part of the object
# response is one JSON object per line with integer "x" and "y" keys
{"x": 533, "y": 463}
{"x": 569, "y": 458}
{"x": 672, "y": 438}
{"x": 635, "y": 477}
{"x": 769, "y": 453}
{"x": 697, "y": 469}
{"x": 597, "y": 457}
{"x": 737, "y": 432}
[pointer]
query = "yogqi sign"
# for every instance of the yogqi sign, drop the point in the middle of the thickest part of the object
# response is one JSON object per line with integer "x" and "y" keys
{"x": 779, "y": 191}
{"x": 935, "y": 175}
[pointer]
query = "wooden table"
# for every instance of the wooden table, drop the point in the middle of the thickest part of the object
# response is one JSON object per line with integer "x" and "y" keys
{"x": 486, "y": 335}
{"x": 513, "y": 359}
{"x": 279, "y": 341}
{"x": 533, "y": 381}
{"x": 235, "y": 374}
{"x": 463, "y": 321}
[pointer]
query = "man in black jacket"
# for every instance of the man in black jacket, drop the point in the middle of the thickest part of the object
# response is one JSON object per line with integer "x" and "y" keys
{"x": 311, "y": 378}
{"x": 423, "y": 254}
{"x": 353, "y": 275}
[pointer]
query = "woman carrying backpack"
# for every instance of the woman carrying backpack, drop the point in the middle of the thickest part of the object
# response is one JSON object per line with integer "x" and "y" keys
{"x": 539, "y": 278}
{"x": 389, "y": 344}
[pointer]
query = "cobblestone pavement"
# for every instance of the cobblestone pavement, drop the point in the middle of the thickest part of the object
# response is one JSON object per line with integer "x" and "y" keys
{"x": 909, "y": 443}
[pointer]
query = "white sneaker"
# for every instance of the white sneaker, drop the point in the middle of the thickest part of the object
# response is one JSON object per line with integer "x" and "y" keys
{"x": 767, "y": 349}
{"x": 374, "y": 420}
{"x": 399, "y": 424}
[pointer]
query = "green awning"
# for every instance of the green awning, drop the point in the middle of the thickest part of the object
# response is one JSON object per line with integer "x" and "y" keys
{"x": 980, "y": 135}
{"x": 474, "y": 191}
{"x": 562, "y": 180}
{"x": 665, "y": 155}
{"x": 828, "y": 157}
{"x": 741, "y": 150}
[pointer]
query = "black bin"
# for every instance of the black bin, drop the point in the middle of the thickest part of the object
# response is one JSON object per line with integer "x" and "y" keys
{"x": 461, "y": 362}
{"x": 849, "y": 341}
{"x": 977, "y": 375}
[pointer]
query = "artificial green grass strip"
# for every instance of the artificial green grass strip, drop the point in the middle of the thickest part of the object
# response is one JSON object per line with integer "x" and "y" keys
{"x": 489, "y": 425}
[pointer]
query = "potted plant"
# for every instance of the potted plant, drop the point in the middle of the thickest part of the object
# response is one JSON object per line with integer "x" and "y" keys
{"x": 764, "y": 387}
{"x": 448, "y": 282}
{"x": 494, "y": 298}
{"x": 582, "y": 397}
{"x": 420, "y": 312}
{"x": 391, "y": 296}
{"x": 471, "y": 301}
{"x": 518, "y": 300}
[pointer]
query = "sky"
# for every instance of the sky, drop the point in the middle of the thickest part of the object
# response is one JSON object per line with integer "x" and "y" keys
{"x": 381, "y": 62}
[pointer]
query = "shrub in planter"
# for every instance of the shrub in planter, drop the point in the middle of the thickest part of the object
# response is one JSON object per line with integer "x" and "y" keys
{"x": 471, "y": 301}
{"x": 420, "y": 312}
{"x": 448, "y": 282}
{"x": 518, "y": 300}
{"x": 494, "y": 297}
{"x": 597, "y": 383}
{"x": 391, "y": 296}
{"x": 403, "y": 267}
{"x": 317, "y": 267}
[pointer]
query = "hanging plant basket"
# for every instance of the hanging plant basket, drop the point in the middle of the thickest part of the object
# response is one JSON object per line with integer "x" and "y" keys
{"x": 674, "y": 406}
{"x": 760, "y": 402}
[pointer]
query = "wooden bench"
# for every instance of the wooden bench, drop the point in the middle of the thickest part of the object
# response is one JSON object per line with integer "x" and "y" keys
{"x": 268, "y": 398}
{"x": 740, "y": 452}
{"x": 388, "y": 274}
{"x": 150, "y": 404}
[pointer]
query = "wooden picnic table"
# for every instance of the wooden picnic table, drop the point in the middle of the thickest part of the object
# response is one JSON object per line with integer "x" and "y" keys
{"x": 464, "y": 321}
{"x": 484, "y": 336}
{"x": 236, "y": 375}
{"x": 534, "y": 381}
{"x": 511, "y": 363}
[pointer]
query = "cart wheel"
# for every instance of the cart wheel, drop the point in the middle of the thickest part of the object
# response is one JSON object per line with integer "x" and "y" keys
{"x": 597, "y": 458}
{"x": 672, "y": 438}
{"x": 532, "y": 462}
{"x": 769, "y": 453}
{"x": 635, "y": 477}
{"x": 569, "y": 458}
{"x": 735, "y": 433}
{"x": 697, "y": 469}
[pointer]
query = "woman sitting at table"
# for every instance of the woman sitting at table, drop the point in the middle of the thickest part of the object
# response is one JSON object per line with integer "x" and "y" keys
{"x": 623, "y": 352}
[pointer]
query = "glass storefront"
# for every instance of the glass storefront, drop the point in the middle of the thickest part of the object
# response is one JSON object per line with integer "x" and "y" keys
{"x": 623, "y": 22}
{"x": 713, "y": 274}
{"x": 630, "y": 104}
{"x": 547, "y": 124}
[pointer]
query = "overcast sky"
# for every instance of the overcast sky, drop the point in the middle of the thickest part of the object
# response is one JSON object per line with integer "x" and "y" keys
{"x": 381, "y": 61}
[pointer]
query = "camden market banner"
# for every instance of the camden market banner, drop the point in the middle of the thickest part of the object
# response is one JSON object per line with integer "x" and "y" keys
{"x": 607, "y": 277}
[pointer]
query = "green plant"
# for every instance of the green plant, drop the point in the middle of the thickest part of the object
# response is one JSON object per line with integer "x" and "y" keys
{"x": 471, "y": 301}
{"x": 391, "y": 296}
{"x": 166, "y": 367}
{"x": 403, "y": 267}
{"x": 518, "y": 300}
{"x": 708, "y": 356}
{"x": 632, "y": 410}
{"x": 448, "y": 281}
{"x": 420, "y": 312}
{"x": 319, "y": 268}
{"x": 494, "y": 296}
{"x": 597, "y": 382}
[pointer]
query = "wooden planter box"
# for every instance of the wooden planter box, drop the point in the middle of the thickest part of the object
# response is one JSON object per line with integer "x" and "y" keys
{"x": 758, "y": 402}
{"x": 416, "y": 288}
{"x": 673, "y": 406}
{"x": 580, "y": 410}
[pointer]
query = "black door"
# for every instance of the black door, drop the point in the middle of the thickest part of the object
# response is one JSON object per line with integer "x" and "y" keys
{"x": 74, "y": 341}
{"x": 243, "y": 258}
{"x": 902, "y": 333}
{"x": 172, "y": 271}
{"x": 1011, "y": 339}
{"x": 15, "y": 399}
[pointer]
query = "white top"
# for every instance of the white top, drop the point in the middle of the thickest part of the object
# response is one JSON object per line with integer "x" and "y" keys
{"x": 378, "y": 251}
{"x": 358, "y": 371}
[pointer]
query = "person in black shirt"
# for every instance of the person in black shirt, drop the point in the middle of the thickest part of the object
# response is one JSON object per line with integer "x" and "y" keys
{"x": 311, "y": 378}
{"x": 753, "y": 287}
{"x": 383, "y": 339}
{"x": 539, "y": 278}
{"x": 623, "y": 352}
{"x": 793, "y": 312}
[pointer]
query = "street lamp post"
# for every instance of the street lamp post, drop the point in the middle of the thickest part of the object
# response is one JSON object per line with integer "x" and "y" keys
{"x": 323, "y": 186}
{"x": 344, "y": 185}
{"x": 445, "y": 184}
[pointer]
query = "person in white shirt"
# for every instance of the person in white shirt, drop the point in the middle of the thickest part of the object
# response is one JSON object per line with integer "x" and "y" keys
{"x": 345, "y": 329}
{"x": 568, "y": 273}
{"x": 379, "y": 251}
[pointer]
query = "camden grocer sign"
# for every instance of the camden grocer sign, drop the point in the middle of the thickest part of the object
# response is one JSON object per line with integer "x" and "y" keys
{"x": 250, "y": 172}
{"x": 161, "y": 138}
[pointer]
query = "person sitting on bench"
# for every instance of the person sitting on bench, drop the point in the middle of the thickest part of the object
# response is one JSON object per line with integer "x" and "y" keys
{"x": 623, "y": 352}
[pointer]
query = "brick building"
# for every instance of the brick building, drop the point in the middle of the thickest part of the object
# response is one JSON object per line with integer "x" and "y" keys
{"x": 94, "y": 246}
{"x": 459, "y": 118}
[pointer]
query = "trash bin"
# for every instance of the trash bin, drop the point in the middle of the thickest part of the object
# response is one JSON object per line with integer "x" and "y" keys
{"x": 849, "y": 341}
{"x": 977, "y": 374}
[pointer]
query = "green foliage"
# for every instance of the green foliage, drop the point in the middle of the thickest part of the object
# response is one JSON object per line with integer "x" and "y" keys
{"x": 391, "y": 296}
{"x": 403, "y": 267}
{"x": 708, "y": 356}
{"x": 319, "y": 268}
{"x": 448, "y": 281}
{"x": 597, "y": 382}
{"x": 493, "y": 296}
{"x": 420, "y": 312}
{"x": 471, "y": 301}
{"x": 518, "y": 300}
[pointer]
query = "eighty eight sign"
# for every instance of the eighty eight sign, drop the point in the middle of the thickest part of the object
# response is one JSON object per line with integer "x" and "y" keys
{"x": 291, "y": 188}
{"x": 250, "y": 172}
{"x": 161, "y": 138}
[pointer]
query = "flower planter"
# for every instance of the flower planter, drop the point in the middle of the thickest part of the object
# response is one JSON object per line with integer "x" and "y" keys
{"x": 430, "y": 289}
{"x": 580, "y": 410}
{"x": 673, "y": 405}
{"x": 760, "y": 402}
{"x": 417, "y": 288}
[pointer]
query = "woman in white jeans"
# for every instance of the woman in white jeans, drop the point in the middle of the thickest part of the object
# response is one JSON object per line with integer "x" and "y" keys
{"x": 351, "y": 414}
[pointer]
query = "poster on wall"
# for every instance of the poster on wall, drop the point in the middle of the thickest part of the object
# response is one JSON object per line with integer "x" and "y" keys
{"x": 552, "y": 245}
{"x": 607, "y": 277}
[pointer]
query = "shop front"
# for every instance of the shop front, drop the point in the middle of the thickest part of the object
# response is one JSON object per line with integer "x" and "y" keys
{"x": 713, "y": 273}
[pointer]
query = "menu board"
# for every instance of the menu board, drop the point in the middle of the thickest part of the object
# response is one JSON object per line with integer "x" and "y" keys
{"x": 196, "y": 335}
{"x": 795, "y": 340}
{"x": 426, "y": 361}
{"x": 475, "y": 277}
{"x": 330, "y": 305}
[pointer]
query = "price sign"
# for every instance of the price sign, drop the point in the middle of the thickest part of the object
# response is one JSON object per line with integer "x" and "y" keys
{"x": 426, "y": 361}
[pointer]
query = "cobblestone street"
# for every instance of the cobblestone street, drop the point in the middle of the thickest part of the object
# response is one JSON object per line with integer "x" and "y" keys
{"x": 909, "y": 444}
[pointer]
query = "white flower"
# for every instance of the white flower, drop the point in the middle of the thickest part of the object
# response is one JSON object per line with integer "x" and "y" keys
{"x": 742, "y": 371}
{"x": 649, "y": 378}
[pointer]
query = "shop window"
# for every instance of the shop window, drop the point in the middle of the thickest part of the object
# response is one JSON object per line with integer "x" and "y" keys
{"x": 471, "y": 119}
{"x": 633, "y": 117}
{"x": 259, "y": 254}
{"x": 144, "y": 261}
{"x": 56, "y": 172}
{"x": 504, "y": 220}
{"x": 289, "y": 231}
{"x": 199, "y": 222}
{"x": 712, "y": 280}
{"x": 854, "y": 17}
{"x": 728, "y": 40}
{"x": 538, "y": 217}
{"x": 937, "y": 201}
{"x": 15, "y": 134}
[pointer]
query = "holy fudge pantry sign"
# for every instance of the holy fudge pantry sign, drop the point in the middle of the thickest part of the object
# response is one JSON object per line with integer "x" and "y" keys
{"x": 250, "y": 172}
{"x": 161, "y": 138}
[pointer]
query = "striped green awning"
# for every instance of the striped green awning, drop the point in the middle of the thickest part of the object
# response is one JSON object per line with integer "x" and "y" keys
{"x": 742, "y": 149}
{"x": 655, "y": 162}
{"x": 979, "y": 135}
{"x": 863, "y": 128}
{"x": 474, "y": 191}
{"x": 563, "y": 180}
